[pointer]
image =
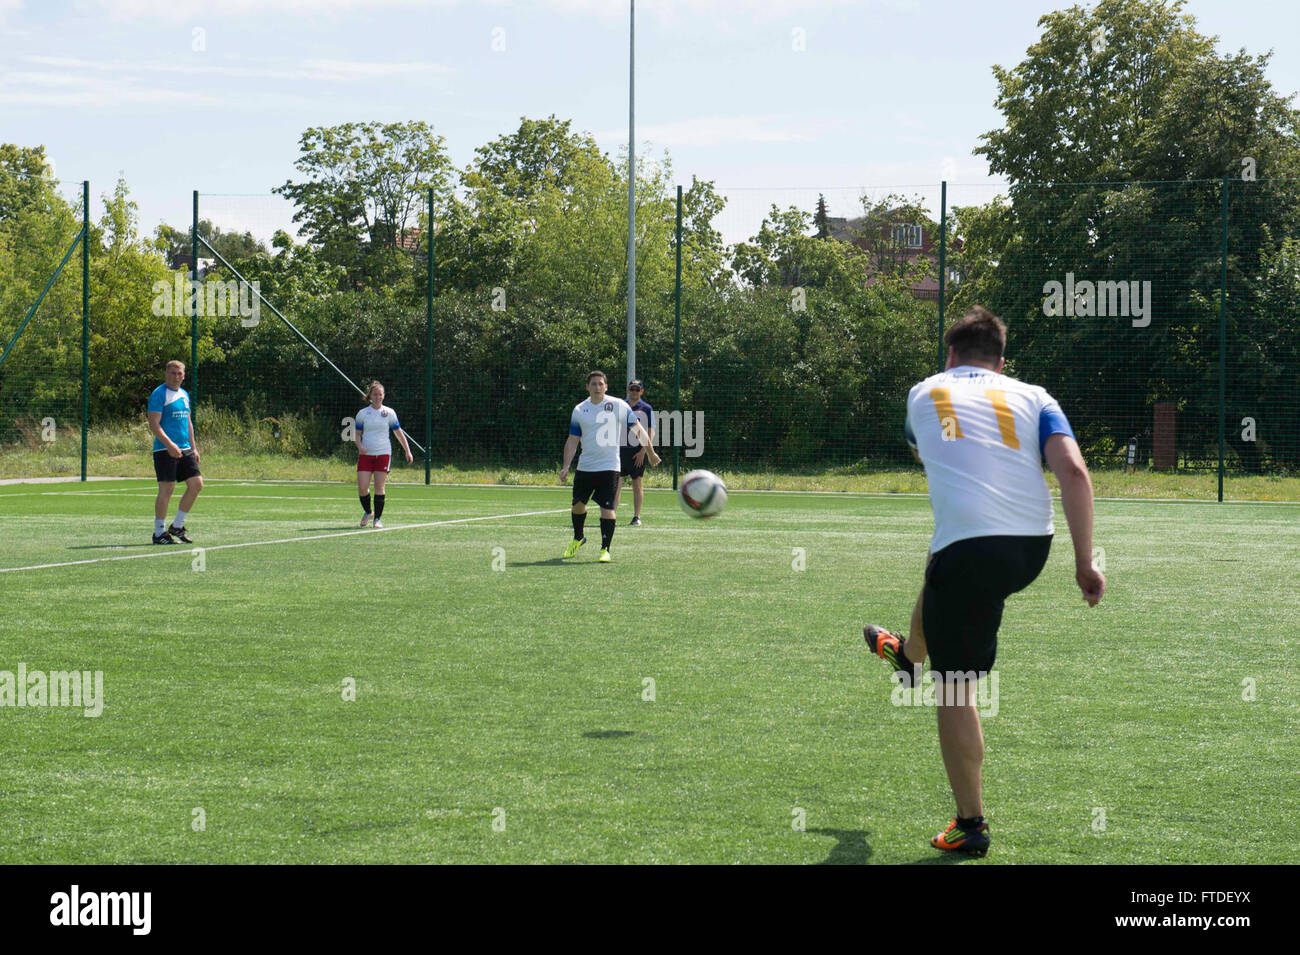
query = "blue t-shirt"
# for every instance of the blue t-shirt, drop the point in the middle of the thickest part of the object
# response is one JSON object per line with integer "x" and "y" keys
{"x": 174, "y": 406}
{"x": 646, "y": 415}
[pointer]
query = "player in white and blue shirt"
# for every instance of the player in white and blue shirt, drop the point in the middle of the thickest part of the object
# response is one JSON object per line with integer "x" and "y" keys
{"x": 599, "y": 423}
{"x": 373, "y": 429}
{"x": 175, "y": 457}
{"x": 982, "y": 437}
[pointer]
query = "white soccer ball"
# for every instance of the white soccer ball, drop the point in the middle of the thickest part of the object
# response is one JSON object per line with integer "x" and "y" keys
{"x": 702, "y": 494}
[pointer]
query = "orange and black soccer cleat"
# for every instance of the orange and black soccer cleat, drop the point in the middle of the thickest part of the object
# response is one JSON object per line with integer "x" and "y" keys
{"x": 890, "y": 649}
{"x": 973, "y": 841}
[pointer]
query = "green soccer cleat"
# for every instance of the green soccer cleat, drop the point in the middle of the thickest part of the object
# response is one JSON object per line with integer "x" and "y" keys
{"x": 573, "y": 548}
{"x": 604, "y": 556}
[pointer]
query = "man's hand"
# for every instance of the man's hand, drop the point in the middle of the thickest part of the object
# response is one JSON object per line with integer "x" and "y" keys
{"x": 196, "y": 455}
{"x": 173, "y": 451}
{"x": 409, "y": 459}
{"x": 1091, "y": 582}
{"x": 654, "y": 459}
{"x": 564, "y": 475}
{"x": 639, "y": 458}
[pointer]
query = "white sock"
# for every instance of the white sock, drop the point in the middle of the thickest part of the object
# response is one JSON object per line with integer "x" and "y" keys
{"x": 180, "y": 518}
{"x": 158, "y": 526}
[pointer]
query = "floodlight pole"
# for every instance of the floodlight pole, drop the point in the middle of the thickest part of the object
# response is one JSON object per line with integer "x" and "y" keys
{"x": 85, "y": 323}
{"x": 631, "y": 193}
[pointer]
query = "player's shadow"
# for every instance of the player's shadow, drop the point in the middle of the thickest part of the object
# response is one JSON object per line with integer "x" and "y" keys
{"x": 337, "y": 527}
{"x": 850, "y": 847}
{"x": 553, "y": 562}
{"x": 613, "y": 734}
{"x": 943, "y": 858}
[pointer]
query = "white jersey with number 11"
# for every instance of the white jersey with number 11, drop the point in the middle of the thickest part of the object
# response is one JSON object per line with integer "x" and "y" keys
{"x": 980, "y": 436}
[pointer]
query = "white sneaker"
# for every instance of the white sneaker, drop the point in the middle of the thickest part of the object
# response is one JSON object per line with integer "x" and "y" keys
{"x": 365, "y": 520}
{"x": 378, "y": 523}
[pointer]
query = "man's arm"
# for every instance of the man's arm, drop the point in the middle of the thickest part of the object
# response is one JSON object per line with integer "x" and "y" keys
{"x": 155, "y": 425}
{"x": 643, "y": 436}
{"x": 1066, "y": 461}
{"x": 194, "y": 439}
{"x": 570, "y": 449}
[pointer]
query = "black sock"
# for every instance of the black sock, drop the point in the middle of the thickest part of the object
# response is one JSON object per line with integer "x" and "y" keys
{"x": 365, "y": 502}
{"x": 606, "y": 532}
{"x": 379, "y": 506}
{"x": 969, "y": 824}
{"x": 578, "y": 521}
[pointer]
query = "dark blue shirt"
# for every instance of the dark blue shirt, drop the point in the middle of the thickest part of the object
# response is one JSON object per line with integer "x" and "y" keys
{"x": 646, "y": 415}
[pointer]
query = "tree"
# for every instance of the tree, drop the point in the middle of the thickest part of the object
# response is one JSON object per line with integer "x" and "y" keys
{"x": 1120, "y": 125}
{"x": 821, "y": 219}
{"x": 364, "y": 188}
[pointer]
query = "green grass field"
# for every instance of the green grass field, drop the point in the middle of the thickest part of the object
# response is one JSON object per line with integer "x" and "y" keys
{"x": 516, "y": 695}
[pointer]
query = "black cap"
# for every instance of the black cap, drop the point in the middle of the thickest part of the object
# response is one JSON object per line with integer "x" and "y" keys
{"x": 635, "y": 383}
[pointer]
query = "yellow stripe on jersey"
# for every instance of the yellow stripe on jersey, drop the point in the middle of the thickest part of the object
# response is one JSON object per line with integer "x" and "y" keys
{"x": 947, "y": 415}
{"x": 1006, "y": 421}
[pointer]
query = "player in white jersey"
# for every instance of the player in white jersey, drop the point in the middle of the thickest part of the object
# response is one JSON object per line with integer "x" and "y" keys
{"x": 599, "y": 423}
{"x": 981, "y": 436}
{"x": 374, "y": 423}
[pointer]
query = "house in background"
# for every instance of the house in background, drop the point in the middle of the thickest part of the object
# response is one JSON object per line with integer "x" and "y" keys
{"x": 905, "y": 242}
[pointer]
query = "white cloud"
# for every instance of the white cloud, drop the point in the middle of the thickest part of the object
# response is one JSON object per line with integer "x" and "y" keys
{"x": 8, "y": 8}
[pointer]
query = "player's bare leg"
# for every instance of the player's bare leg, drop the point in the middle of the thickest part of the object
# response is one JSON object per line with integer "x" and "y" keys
{"x": 165, "y": 489}
{"x": 961, "y": 739}
{"x": 914, "y": 645}
{"x": 192, "y": 488}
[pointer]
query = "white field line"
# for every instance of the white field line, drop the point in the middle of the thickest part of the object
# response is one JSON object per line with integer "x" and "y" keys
{"x": 189, "y": 550}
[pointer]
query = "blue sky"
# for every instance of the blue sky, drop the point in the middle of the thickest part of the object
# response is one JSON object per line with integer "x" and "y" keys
{"x": 885, "y": 93}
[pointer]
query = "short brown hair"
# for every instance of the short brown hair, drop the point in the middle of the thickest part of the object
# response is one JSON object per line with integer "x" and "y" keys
{"x": 594, "y": 374}
{"x": 178, "y": 364}
{"x": 979, "y": 334}
{"x": 370, "y": 389}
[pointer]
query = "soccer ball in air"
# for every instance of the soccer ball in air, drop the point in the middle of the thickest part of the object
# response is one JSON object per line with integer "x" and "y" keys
{"x": 702, "y": 494}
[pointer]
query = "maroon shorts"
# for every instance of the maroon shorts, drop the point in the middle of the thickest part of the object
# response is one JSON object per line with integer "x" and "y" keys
{"x": 373, "y": 462}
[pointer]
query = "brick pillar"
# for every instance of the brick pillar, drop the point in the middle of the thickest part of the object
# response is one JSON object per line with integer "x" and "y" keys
{"x": 1164, "y": 449}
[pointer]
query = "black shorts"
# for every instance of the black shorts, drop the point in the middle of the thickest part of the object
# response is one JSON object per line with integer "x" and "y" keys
{"x": 966, "y": 585}
{"x": 170, "y": 469}
{"x": 598, "y": 484}
{"x": 629, "y": 467}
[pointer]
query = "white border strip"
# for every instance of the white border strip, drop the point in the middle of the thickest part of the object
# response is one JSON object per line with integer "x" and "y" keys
{"x": 190, "y": 549}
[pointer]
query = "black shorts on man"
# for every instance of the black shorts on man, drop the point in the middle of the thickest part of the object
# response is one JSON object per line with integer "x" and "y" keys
{"x": 966, "y": 587}
{"x": 627, "y": 462}
{"x": 598, "y": 484}
{"x": 170, "y": 470}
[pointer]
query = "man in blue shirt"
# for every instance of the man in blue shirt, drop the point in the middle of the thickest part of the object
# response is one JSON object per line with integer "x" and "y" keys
{"x": 631, "y": 454}
{"x": 175, "y": 458}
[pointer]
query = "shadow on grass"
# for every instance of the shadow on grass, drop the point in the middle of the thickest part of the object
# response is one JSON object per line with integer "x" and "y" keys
{"x": 850, "y": 847}
{"x": 943, "y": 858}
{"x": 552, "y": 562}
{"x": 613, "y": 734}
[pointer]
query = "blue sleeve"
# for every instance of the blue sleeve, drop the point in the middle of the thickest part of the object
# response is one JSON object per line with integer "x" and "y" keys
{"x": 574, "y": 430}
{"x": 1052, "y": 420}
{"x": 631, "y": 417}
{"x": 394, "y": 426}
{"x": 156, "y": 401}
